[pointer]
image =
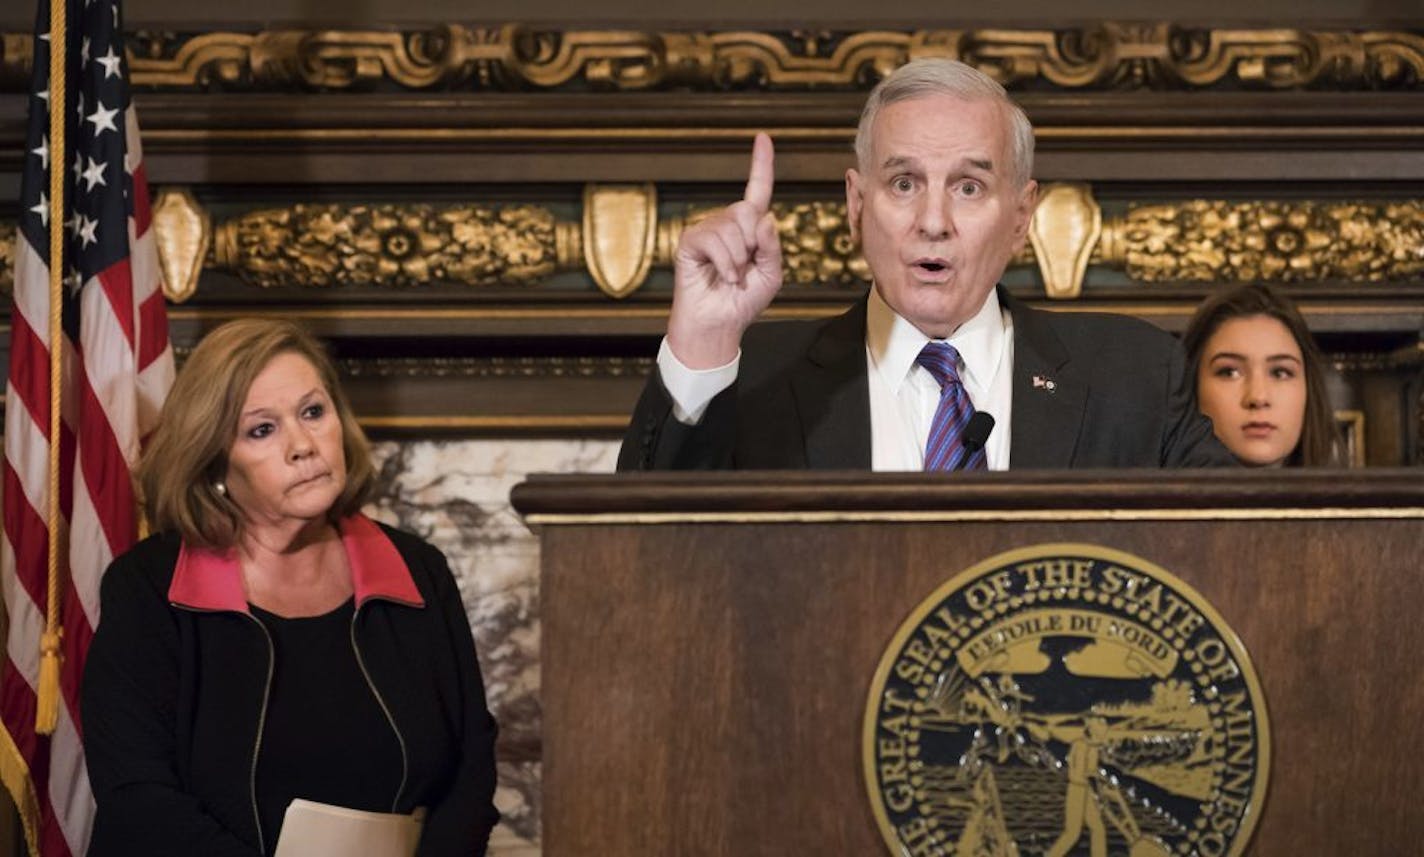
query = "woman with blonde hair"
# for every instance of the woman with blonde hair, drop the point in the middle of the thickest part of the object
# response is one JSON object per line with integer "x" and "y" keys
{"x": 271, "y": 642}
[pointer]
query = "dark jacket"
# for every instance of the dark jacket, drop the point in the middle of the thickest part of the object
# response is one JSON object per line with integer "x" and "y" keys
{"x": 176, "y": 683}
{"x": 1089, "y": 390}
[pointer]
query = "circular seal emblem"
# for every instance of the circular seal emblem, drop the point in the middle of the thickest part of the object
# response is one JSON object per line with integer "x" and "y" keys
{"x": 1066, "y": 699}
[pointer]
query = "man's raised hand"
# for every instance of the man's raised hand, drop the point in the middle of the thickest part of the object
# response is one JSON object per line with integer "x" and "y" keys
{"x": 726, "y": 270}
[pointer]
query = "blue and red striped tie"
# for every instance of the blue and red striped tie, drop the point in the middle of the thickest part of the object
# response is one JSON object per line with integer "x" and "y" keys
{"x": 944, "y": 450}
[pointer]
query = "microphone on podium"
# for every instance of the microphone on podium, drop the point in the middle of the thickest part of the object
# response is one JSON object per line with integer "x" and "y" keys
{"x": 976, "y": 434}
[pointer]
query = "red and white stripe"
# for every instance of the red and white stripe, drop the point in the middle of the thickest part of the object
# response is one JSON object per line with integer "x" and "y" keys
{"x": 115, "y": 379}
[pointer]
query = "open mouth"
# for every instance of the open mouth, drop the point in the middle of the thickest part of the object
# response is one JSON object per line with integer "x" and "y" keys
{"x": 932, "y": 270}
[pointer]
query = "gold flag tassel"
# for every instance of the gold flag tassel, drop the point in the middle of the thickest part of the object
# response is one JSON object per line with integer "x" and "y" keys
{"x": 47, "y": 703}
{"x": 47, "y": 706}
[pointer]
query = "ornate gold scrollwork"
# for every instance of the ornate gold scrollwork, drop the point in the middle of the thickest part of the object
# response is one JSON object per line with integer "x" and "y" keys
{"x": 169, "y": 61}
{"x": 1291, "y": 59}
{"x": 331, "y": 59}
{"x": 816, "y": 246}
{"x": 338, "y": 59}
{"x": 393, "y": 245}
{"x": 512, "y": 57}
{"x": 619, "y": 239}
{"x": 1207, "y": 241}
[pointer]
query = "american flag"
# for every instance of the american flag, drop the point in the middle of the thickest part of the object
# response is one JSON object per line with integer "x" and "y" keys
{"x": 117, "y": 367}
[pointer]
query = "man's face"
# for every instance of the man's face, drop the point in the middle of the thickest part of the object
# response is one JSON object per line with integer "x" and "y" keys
{"x": 936, "y": 209}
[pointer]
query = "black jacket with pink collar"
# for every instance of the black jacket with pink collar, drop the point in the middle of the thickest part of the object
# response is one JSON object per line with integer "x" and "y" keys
{"x": 177, "y": 677}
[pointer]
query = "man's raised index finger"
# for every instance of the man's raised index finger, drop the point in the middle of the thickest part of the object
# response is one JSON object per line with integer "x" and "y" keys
{"x": 763, "y": 173}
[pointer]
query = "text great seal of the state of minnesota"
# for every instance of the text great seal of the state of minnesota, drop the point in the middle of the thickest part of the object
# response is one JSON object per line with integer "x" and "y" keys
{"x": 1066, "y": 699}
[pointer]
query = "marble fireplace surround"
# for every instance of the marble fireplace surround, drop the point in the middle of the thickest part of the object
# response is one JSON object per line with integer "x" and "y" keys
{"x": 455, "y": 494}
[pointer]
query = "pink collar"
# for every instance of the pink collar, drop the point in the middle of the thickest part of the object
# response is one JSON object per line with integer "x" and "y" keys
{"x": 211, "y": 580}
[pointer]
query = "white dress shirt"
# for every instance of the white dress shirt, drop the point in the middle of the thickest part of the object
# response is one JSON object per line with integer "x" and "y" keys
{"x": 903, "y": 395}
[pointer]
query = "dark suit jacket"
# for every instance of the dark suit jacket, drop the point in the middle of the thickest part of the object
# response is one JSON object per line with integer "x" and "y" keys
{"x": 1120, "y": 398}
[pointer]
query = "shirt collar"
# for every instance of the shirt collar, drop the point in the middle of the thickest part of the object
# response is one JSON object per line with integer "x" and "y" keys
{"x": 212, "y": 580}
{"x": 894, "y": 343}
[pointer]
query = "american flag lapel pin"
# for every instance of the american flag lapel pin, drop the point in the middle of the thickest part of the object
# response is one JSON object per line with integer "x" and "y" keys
{"x": 1042, "y": 383}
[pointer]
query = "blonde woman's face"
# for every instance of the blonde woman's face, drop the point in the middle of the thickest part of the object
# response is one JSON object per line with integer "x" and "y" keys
{"x": 286, "y": 465}
{"x": 1251, "y": 383}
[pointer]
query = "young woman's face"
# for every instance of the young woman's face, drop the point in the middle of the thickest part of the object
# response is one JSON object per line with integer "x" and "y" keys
{"x": 1251, "y": 383}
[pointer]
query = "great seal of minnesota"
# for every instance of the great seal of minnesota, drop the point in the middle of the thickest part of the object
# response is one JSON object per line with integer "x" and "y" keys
{"x": 1066, "y": 699}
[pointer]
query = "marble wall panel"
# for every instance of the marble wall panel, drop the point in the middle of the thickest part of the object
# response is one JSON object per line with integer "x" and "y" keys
{"x": 455, "y": 494}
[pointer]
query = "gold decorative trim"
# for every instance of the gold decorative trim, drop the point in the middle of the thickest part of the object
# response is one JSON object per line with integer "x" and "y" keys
{"x": 1408, "y": 357}
{"x": 444, "y": 313}
{"x": 740, "y": 134}
{"x": 617, "y": 422}
{"x": 481, "y": 368}
{"x": 1210, "y": 240}
{"x": 413, "y": 244}
{"x": 980, "y": 515}
{"x": 1064, "y": 230}
{"x": 1109, "y": 56}
{"x": 9, "y": 231}
{"x": 183, "y": 230}
{"x": 1351, "y": 424}
{"x": 816, "y": 244}
{"x": 393, "y": 245}
{"x": 16, "y": 60}
{"x": 523, "y": 368}
{"x": 620, "y": 225}
{"x": 15, "y": 776}
{"x": 619, "y": 241}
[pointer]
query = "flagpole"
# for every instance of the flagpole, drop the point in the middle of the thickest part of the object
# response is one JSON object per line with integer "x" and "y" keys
{"x": 47, "y": 703}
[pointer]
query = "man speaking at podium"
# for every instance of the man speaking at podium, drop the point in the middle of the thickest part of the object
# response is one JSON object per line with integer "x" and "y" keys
{"x": 937, "y": 368}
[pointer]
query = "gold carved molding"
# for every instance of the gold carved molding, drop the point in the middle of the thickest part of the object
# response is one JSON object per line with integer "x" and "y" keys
{"x": 16, "y": 60}
{"x": 620, "y": 240}
{"x": 183, "y": 232}
{"x": 8, "y": 232}
{"x": 620, "y": 232}
{"x": 1064, "y": 231}
{"x": 484, "y": 368}
{"x": 1286, "y": 242}
{"x": 394, "y": 245}
{"x": 511, "y": 57}
{"x": 480, "y": 368}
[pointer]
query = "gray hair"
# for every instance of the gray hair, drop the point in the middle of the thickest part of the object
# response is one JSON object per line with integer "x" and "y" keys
{"x": 938, "y": 76}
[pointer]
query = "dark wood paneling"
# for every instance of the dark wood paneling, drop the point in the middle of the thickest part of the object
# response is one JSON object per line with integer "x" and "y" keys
{"x": 267, "y": 137}
{"x": 722, "y": 669}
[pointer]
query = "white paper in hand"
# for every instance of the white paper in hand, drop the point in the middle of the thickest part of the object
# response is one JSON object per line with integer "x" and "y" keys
{"x": 312, "y": 829}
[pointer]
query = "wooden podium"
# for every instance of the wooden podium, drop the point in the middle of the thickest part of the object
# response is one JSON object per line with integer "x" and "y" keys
{"x": 709, "y": 640}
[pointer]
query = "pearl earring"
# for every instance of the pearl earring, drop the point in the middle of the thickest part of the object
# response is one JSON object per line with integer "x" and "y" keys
{"x": 221, "y": 488}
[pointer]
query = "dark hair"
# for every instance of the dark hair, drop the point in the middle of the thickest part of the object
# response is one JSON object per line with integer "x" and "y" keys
{"x": 187, "y": 454}
{"x": 1319, "y": 444}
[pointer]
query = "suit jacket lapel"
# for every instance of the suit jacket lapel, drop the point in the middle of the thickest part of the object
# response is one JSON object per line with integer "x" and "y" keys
{"x": 1049, "y": 395}
{"x": 833, "y": 395}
